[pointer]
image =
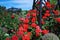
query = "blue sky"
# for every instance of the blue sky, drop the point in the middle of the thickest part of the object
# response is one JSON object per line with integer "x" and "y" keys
{"x": 24, "y": 4}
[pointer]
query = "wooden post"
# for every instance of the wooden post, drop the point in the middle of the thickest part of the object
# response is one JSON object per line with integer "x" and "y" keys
{"x": 33, "y": 4}
{"x": 40, "y": 14}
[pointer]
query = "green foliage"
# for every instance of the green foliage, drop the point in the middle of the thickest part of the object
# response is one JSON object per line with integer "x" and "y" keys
{"x": 53, "y": 2}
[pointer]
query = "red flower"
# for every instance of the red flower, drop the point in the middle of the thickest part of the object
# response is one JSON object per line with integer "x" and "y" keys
{"x": 42, "y": 22}
{"x": 26, "y": 37}
{"x": 20, "y": 31}
{"x": 47, "y": 11}
{"x": 33, "y": 20}
{"x": 26, "y": 20}
{"x": 34, "y": 14}
{"x": 34, "y": 11}
{"x": 21, "y": 19}
{"x": 29, "y": 33}
{"x": 38, "y": 31}
{"x": 48, "y": 4}
{"x": 7, "y": 38}
{"x": 58, "y": 20}
{"x": 55, "y": 12}
{"x": 33, "y": 25}
{"x": 25, "y": 26}
{"x": 25, "y": 30}
{"x": 37, "y": 27}
{"x": 12, "y": 16}
{"x": 44, "y": 17}
{"x": 45, "y": 31}
{"x": 20, "y": 28}
{"x": 47, "y": 14}
{"x": 14, "y": 37}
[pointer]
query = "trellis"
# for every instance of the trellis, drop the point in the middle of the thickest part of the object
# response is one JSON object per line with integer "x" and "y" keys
{"x": 39, "y": 9}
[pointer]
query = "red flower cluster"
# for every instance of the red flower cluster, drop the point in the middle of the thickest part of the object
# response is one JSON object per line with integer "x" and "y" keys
{"x": 20, "y": 31}
{"x": 46, "y": 14}
{"x": 14, "y": 37}
{"x": 57, "y": 19}
{"x": 26, "y": 36}
{"x": 48, "y": 4}
{"x": 38, "y": 31}
{"x": 24, "y": 26}
{"x": 30, "y": 22}
{"x": 21, "y": 19}
{"x": 45, "y": 31}
{"x": 56, "y": 12}
{"x": 33, "y": 20}
{"x": 34, "y": 25}
{"x": 26, "y": 20}
{"x": 42, "y": 22}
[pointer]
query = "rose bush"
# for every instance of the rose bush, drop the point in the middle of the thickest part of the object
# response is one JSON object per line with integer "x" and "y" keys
{"x": 27, "y": 28}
